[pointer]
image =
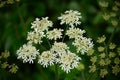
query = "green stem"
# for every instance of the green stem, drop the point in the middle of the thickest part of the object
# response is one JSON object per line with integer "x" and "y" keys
{"x": 111, "y": 37}
{"x": 56, "y": 72}
{"x": 106, "y": 50}
{"x": 64, "y": 34}
{"x": 83, "y": 76}
{"x": 91, "y": 75}
{"x": 21, "y": 19}
{"x": 20, "y": 16}
{"x": 48, "y": 42}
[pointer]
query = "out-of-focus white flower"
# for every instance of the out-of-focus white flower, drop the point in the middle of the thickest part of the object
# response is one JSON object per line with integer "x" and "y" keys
{"x": 27, "y": 52}
{"x": 83, "y": 44}
{"x": 69, "y": 61}
{"x": 71, "y": 18}
{"x": 103, "y": 72}
{"x": 46, "y": 58}
{"x": 59, "y": 48}
{"x": 74, "y": 32}
{"x": 35, "y": 37}
{"x": 41, "y": 25}
{"x": 54, "y": 34}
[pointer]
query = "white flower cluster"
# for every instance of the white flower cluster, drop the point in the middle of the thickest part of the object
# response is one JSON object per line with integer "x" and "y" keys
{"x": 69, "y": 61}
{"x": 59, "y": 48}
{"x": 83, "y": 44}
{"x": 74, "y": 32}
{"x": 28, "y": 53}
{"x": 46, "y": 58}
{"x": 41, "y": 25}
{"x": 35, "y": 37}
{"x": 71, "y": 18}
{"x": 59, "y": 52}
{"x": 54, "y": 34}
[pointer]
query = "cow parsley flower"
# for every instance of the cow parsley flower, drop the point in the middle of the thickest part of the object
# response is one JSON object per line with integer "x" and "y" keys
{"x": 69, "y": 61}
{"x": 103, "y": 72}
{"x": 83, "y": 44}
{"x": 27, "y": 52}
{"x": 71, "y": 18}
{"x": 46, "y": 58}
{"x": 93, "y": 59}
{"x": 101, "y": 49}
{"x": 101, "y": 39}
{"x": 115, "y": 69}
{"x": 35, "y": 37}
{"x": 5, "y": 54}
{"x": 54, "y": 34}
{"x": 92, "y": 68}
{"x": 59, "y": 52}
{"x": 4, "y": 65}
{"x": 41, "y": 25}
{"x": 112, "y": 46}
{"x": 74, "y": 32}
{"x": 112, "y": 54}
{"x": 13, "y": 68}
{"x": 59, "y": 48}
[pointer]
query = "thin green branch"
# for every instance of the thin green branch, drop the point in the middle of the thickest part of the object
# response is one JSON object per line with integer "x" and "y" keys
{"x": 64, "y": 34}
{"x": 111, "y": 37}
{"x": 48, "y": 42}
{"x": 56, "y": 72}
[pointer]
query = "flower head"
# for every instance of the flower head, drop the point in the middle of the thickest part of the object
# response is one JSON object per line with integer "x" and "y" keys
{"x": 101, "y": 39}
{"x": 46, "y": 58}
{"x": 103, "y": 72}
{"x": 5, "y": 54}
{"x": 103, "y": 4}
{"x": 13, "y": 68}
{"x": 27, "y": 52}
{"x": 115, "y": 69}
{"x": 101, "y": 49}
{"x": 74, "y": 32}
{"x": 4, "y": 65}
{"x": 71, "y": 18}
{"x": 92, "y": 68}
{"x": 41, "y": 25}
{"x": 59, "y": 48}
{"x": 112, "y": 54}
{"x": 35, "y": 37}
{"x": 93, "y": 59}
{"x": 90, "y": 52}
{"x": 54, "y": 34}
{"x": 69, "y": 61}
{"x": 102, "y": 55}
{"x": 83, "y": 44}
{"x": 112, "y": 46}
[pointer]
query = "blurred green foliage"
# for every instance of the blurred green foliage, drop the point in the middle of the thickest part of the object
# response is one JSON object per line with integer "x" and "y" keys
{"x": 15, "y": 22}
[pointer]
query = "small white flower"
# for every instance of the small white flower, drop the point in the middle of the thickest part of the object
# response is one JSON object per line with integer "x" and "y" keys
{"x": 27, "y": 52}
{"x": 70, "y": 17}
{"x": 59, "y": 48}
{"x": 54, "y": 34}
{"x": 35, "y": 37}
{"x": 69, "y": 61}
{"x": 46, "y": 58}
{"x": 74, "y": 32}
{"x": 41, "y": 25}
{"x": 83, "y": 44}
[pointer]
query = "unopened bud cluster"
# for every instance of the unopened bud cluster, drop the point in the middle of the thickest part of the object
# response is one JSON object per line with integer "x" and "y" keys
{"x": 6, "y": 2}
{"x": 106, "y": 59}
{"x": 5, "y": 65}
{"x": 111, "y": 11}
